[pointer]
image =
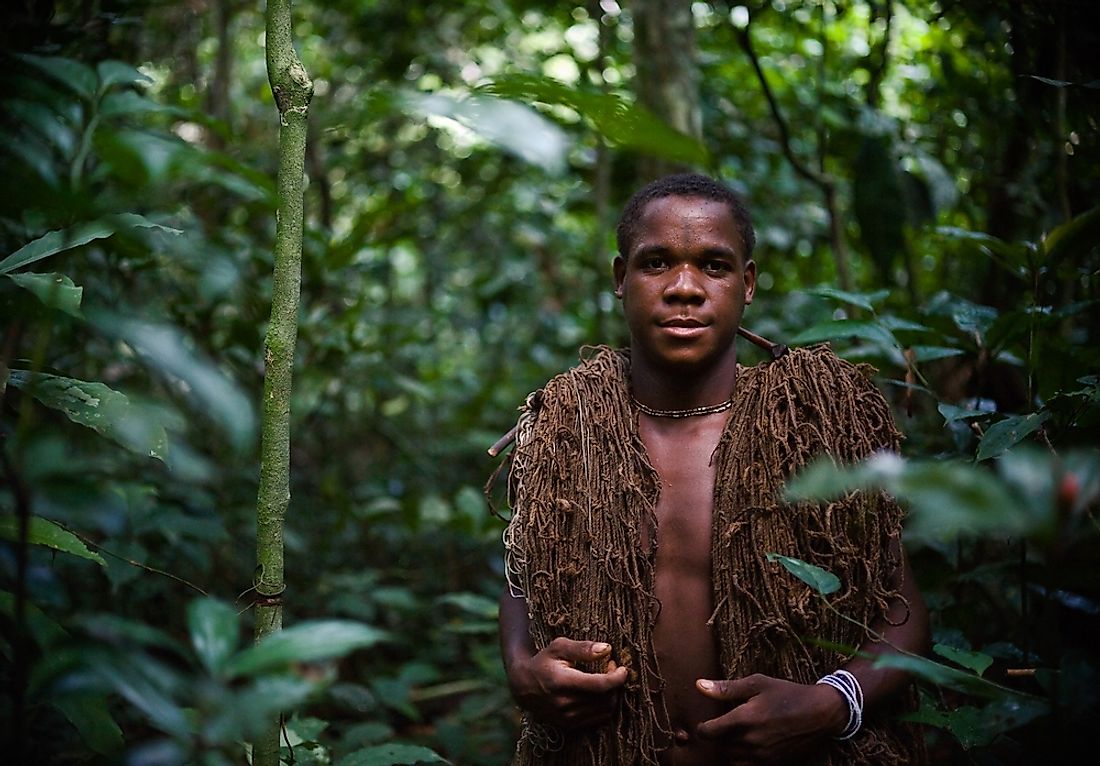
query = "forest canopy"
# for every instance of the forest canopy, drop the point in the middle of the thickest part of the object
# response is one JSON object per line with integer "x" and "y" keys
{"x": 924, "y": 182}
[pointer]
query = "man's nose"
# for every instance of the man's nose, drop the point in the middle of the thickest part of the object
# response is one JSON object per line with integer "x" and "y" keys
{"x": 684, "y": 285}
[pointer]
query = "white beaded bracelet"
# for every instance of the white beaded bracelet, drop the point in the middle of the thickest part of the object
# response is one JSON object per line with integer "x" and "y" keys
{"x": 849, "y": 688}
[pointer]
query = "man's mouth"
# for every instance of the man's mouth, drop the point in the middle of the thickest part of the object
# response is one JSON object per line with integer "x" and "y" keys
{"x": 682, "y": 322}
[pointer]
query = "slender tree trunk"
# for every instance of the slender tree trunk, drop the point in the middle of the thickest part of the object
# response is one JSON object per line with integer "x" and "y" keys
{"x": 293, "y": 90}
{"x": 668, "y": 74}
{"x": 217, "y": 101}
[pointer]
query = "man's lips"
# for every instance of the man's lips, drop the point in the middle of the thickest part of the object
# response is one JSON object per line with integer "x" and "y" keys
{"x": 682, "y": 327}
{"x": 682, "y": 322}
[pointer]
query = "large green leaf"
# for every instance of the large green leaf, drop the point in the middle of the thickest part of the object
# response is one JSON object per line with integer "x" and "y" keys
{"x": 91, "y": 716}
{"x": 73, "y": 74}
{"x": 1006, "y": 433}
{"x": 305, "y": 642}
{"x": 169, "y": 352}
{"x": 817, "y": 578}
{"x": 946, "y": 498}
{"x": 949, "y": 677}
{"x": 45, "y": 631}
{"x": 139, "y": 428}
{"x": 864, "y": 301}
{"x": 978, "y": 662}
{"x": 45, "y": 532}
{"x": 112, "y": 73}
{"x": 1013, "y": 257}
{"x": 81, "y": 234}
{"x": 951, "y": 413}
{"x": 932, "y": 353}
{"x": 619, "y": 121}
{"x": 55, "y": 290}
{"x": 214, "y": 629}
{"x": 839, "y": 329}
{"x": 515, "y": 127}
{"x": 1073, "y": 238}
{"x": 391, "y": 754}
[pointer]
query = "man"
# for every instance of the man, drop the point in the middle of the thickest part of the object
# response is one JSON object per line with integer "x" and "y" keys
{"x": 645, "y": 622}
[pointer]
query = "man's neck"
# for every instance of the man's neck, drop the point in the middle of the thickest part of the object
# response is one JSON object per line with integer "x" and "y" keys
{"x": 677, "y": 388}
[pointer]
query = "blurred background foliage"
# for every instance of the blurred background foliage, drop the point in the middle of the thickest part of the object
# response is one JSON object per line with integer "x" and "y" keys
{"x": 924, "y": 179}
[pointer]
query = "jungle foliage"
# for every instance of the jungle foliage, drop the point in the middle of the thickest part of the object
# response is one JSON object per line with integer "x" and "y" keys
{"x": 924, "y": 181}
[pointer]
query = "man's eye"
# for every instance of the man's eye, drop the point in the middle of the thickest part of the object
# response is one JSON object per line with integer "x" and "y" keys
{"x": 716, "y": 266}
{"x": 653, "y": 262}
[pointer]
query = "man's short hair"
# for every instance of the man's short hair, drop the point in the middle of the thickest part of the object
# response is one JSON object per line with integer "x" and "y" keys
{"x": 684, "y": 185}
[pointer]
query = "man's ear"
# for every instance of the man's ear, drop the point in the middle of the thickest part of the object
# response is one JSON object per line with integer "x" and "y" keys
{"x": 749, "y": 279}
{"x": 618, "y": 270}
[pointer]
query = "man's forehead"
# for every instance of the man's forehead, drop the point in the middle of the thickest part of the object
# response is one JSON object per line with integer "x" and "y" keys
{"x": 697, "y": 216}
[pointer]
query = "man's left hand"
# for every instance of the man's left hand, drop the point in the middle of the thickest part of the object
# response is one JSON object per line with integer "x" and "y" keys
{"x": 772, "y": 721}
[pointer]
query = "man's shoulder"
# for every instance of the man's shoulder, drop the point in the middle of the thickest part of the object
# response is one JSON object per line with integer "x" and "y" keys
{"x": 599, "y": 368}
{"x": 833, "y": 399}
{"x": 814, "y": 367}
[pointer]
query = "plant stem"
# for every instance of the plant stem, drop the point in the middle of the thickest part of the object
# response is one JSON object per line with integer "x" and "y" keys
{"x": 292, "y": 90}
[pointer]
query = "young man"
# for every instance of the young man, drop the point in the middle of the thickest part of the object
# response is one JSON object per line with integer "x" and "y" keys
{"x": 644, "y": 622}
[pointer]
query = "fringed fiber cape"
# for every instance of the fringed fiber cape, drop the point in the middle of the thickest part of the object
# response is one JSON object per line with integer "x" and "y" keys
{"x": 583, "y": 493}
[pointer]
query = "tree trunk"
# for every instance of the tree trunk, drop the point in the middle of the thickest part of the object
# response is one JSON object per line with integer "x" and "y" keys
{"x": 667, "y": 81}
{"x": 293, "y": 90}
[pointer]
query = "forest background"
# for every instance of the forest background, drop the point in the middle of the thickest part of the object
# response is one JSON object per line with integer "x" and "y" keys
{"x": 924, "y": 181}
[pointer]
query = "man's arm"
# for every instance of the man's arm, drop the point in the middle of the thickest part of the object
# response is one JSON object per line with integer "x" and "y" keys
{"x": 547, "y": 684}
{"x": 773, "y": 721}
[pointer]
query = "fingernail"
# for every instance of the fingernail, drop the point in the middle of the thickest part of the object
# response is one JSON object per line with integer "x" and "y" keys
{"x": 705, "y": 685}
{"x": 600, "y": 648}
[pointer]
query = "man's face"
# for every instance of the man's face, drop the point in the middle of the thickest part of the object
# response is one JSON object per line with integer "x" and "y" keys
{"x": 684, "y": 283}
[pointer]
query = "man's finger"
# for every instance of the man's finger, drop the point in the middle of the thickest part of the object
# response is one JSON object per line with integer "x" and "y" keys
{"x": 577, "y": 651}
{"x": 735, "y": 691}
{"x": 718, "y": 728}
{"x": 593, "y": 683}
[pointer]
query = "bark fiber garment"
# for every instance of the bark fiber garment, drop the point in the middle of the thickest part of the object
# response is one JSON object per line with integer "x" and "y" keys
{"x": 583, "y": 496}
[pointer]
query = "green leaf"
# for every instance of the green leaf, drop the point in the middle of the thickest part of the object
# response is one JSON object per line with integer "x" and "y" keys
{"x": 948, "y": 677}
{"x": 118, "y": 73}
{"x": 932, "y": 353}
{"x": 128, "y": 102}
{"x": 514, "y": 127}
{"x": 817, "y": 578}
{"x": 620, "y": 122}
{"x": 865, "y": 301}
{"x": 1073, "y": 238}
{"x": 91, "y": 717}
{"x": 1012, "y": 257}
{"x": 305, "y": 642}
{"x": 972, "y": 317}
{"x": 44, "y": 532}
{"x": 846, "y": 328}
{"x": 55, "y": 290}
{"x": 1006, "y": 433}
{"x": 214, "y": 632}
{"x": 391, "y": 754}
{"x": 945, "y": 498}
{"x": 472, "y": 603}
{"x": 138, "y": 428}
{"x": 951, "y": 413}
{"x": 81, "y": 234}
{"x": 895, "y": 324}
{"x": 169, "y": 352}
{"x": 43, "y": 629}
{"x": 979, "y": 662}
{"x": 79, "y": 78}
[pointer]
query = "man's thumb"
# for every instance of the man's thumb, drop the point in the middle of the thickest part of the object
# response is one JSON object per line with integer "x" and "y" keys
{"x": 578, "y": 651}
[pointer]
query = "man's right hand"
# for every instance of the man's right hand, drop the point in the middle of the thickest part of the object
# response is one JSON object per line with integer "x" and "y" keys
{"x": 550, "y": 687}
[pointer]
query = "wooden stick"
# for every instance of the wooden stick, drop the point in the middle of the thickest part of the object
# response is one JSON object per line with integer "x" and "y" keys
{"x": 775, "y": 349}
{"x": 502, "y": 442}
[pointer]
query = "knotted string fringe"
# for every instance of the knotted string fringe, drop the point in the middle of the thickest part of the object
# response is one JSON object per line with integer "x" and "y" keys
{"x": 582, "y": 541}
